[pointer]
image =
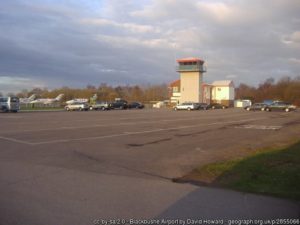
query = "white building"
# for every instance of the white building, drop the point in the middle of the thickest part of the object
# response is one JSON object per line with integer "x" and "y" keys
{"x": 174, "y": 92}
{"x": 223, "y": 92}
{"x": 190, "y": 86}
{"x": 191, "y": 75}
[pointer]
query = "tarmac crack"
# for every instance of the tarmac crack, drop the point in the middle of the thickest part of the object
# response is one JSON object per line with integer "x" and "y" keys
{"x": 150, "y": 143}
{"x": 194, "y": 133}
{"x": 86, "y": 156}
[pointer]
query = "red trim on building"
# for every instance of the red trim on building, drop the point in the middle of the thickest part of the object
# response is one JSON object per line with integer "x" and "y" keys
{"x": 175, "y": 83}
{"x": 190, "y": 60}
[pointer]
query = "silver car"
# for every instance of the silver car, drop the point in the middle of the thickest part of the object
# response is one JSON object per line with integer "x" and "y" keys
{"x": 187, "y": 106}
{"x": 101, "y": 106}
{"x": 77, "y": 106}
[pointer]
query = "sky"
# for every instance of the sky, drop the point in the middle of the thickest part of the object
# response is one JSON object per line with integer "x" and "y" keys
{"x": 75, "y": 43}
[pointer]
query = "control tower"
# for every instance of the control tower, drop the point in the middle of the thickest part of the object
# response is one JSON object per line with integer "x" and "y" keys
{"x": 191, "y": 79}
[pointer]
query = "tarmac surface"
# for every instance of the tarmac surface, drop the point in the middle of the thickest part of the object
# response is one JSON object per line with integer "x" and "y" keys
{"x": 89, "y": 167}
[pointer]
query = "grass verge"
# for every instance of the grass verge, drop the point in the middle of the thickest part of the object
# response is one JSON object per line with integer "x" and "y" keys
{"x": 273, "y": 172}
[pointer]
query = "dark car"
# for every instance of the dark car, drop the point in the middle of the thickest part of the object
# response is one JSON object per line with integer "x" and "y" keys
{"x": 119, "y": 104}
{"x": 203, "y": 106}
{"x": 256, "y": 106}
{"x": 216, "y": 106}
{"x": 280, "y": 106}
{"x": 136, "y": 105}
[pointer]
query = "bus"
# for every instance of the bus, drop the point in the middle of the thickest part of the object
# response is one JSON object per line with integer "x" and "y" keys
{"x": 9, "y": 104}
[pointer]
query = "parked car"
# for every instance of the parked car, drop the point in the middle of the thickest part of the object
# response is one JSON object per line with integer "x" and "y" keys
{"x": 77, "y": 106}
{"x": 187, "y": 106}
{"x": 9, "y": 104}
{"x": 216, "y": 106}
{"x": 119, "y": 104}
{"x": 256, "y": 106}
{"x": 203, "y": 106}
{"x": 101, "y": 106}
{"x": 280, "y": 106}
{"x": 268, "y": 101}
{"x": 136, "y": 105}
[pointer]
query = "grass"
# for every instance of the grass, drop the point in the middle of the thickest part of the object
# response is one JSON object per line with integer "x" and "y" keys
{"x": 273, "y": 172}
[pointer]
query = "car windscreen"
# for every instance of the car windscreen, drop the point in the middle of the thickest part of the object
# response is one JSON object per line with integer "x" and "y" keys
{"x": 14, "y": 99}
{"x": 3, "y": 99}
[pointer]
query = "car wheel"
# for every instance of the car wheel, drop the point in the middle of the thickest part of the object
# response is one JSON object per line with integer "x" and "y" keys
{"x": 189, "y": 109}
{"x": 213, "y": 107}
{"x": 223, "y": 107}
{"x": 268, "y": 109}
{"x": 248, "y": 108}
{"x": 91, "y": 108}
{"x": 80, "y": 109}
{"x": 175, "y": 108}
{"x": 262, "y": 109}
{"x": 287, "y": 110}
{"x": 67, "y": 109}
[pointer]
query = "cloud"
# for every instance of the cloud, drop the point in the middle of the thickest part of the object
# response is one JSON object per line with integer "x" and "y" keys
{"x": 10, "y": 84}
{"x": 60, "y": 43}
{"x": 231, "y": 76}
{"x": 134, "y": 28}
{"x": 292, "y": 40}
{"x": 131, "y": 42}
{"x": 295, "y": 37}
{"x": 294, "y": 61}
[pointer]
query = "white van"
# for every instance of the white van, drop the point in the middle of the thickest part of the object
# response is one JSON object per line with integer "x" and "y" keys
{"x": 9, "y": 104}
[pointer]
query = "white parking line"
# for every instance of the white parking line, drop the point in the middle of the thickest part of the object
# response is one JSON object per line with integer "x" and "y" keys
{"x": 16, "y": 140}
{"x": 259, "y": 127}
{"x": 128, "y": 133}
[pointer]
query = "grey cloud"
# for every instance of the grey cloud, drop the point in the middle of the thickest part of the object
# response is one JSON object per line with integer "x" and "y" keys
{"x": 61, "y": 49}
{"x": 137, "y": 42}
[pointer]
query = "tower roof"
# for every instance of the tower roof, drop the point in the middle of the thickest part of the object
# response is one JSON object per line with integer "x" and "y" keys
{"x": 175, "y": 83}
{"x": 190, "y": 59}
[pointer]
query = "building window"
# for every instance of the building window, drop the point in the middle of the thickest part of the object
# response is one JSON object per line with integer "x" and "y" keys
{"x": 219, "y": 89}
{"x": 175, "y": 89}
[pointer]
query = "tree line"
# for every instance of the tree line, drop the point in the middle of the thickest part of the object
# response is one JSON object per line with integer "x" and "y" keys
{"x": 104, "y": 92}
{"x": 286, "y": 89}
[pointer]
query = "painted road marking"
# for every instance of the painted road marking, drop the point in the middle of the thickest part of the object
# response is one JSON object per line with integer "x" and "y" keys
{"x": 259, "y": 127}
{"x": 15, "y": 140}
{"x": 128, "y": 133}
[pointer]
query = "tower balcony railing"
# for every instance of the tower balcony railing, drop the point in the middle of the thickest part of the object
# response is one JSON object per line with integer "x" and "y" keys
{"x": 191, "y": 68}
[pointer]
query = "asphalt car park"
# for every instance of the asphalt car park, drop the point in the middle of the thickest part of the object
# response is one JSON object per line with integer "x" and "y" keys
{"x": 80, "y": 167}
